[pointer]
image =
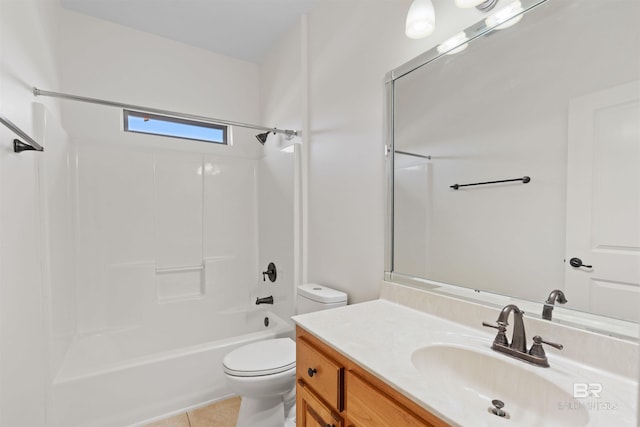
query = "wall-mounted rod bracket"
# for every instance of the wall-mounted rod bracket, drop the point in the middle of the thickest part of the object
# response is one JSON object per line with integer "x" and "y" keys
{"x": 524, "y": 179}
{"x": 18, "y": 145}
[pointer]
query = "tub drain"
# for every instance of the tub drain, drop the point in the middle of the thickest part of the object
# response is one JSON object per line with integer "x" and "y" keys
{"x": 266, "y": 322}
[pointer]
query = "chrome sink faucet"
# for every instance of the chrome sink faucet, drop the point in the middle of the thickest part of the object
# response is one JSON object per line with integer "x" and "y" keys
{"x": 518, "y": 346}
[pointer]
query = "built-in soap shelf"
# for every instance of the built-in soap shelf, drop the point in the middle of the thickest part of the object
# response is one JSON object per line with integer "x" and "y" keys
{"x": 179, "y": 283}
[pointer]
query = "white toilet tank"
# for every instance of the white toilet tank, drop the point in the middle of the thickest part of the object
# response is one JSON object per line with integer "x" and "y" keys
{"x": 314, "y": 297}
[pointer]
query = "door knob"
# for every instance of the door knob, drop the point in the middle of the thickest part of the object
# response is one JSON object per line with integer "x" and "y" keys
{"x": 577, "y": 262}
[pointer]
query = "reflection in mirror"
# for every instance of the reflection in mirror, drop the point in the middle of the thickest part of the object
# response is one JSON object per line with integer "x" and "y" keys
{"x": 545, "y": 114}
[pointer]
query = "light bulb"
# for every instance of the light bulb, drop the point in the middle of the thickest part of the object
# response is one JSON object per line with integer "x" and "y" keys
{"x": 421, "y": 19}
{"x": 505, "y": 17}
{"x": 454, "y": 41}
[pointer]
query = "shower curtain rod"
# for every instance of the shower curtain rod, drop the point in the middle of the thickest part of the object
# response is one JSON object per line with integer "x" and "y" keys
{"x": 39, "y": 92}
{"x": 19, "y": 146}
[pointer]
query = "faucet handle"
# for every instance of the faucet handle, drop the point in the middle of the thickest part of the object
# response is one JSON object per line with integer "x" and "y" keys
{"x": 501, "y": 338}
{"x": 538, "y": 350}
{"x": 496, "y": 325}
{"x": 271, "y": 273}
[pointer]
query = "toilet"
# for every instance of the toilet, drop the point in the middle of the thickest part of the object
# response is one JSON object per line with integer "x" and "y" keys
{"x": 264, "y": 372}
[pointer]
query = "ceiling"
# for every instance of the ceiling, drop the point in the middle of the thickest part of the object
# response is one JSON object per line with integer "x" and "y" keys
{"x": 243, "y": 29}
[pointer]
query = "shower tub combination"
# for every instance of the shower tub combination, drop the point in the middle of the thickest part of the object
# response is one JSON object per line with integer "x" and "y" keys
{"x": 132, "y": 375}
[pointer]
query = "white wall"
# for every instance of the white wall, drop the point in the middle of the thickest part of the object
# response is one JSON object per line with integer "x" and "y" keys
{"x": 103, "y": 60}
{"x": 351, "y": 45}
{"x": 34, "y": 191}
{"x": 281, "y": 102}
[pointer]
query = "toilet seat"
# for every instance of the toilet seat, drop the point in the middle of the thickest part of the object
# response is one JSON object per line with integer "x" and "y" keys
{"x": 261, "y": 358}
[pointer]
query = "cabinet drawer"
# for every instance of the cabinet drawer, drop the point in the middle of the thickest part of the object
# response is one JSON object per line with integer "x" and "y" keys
{"x": 368, "y": 407}
{"x": 311, "y": 412}
{"x": 322, "y": 374}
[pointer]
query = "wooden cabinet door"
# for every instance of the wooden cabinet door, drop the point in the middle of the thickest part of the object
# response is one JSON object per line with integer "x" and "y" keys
{"x": 368, "y": 407}
{"x": 311, "y": 412}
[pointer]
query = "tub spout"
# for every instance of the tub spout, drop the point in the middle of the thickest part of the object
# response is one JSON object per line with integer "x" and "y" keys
{"x": 265, "y": 300}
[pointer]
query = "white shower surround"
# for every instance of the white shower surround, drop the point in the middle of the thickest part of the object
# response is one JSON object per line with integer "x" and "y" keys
{"x": 167, "y": 276}
{"x": 128, "y": 376}
{"x": 167, "y": 236}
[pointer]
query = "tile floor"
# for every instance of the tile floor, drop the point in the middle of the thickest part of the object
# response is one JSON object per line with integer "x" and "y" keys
{"x": 219, "y": 414}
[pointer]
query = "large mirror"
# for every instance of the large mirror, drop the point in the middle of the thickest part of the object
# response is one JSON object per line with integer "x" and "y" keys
{"x": 549, "y": 108}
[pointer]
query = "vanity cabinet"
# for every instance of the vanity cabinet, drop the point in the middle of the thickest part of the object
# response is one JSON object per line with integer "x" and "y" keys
{"x": 334, "y": 391}
{"x": 312, "y": 412}
{"x": 319, "y": 384}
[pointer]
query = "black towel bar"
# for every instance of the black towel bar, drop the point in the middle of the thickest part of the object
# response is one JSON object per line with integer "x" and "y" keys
{"x": 524, "y": 179}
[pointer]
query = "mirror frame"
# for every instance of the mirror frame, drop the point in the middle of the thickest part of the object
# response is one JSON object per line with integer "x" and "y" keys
{"x": 626, "y": 329}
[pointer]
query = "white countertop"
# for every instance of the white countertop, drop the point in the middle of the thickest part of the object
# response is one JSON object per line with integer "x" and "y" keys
{"x": 381, "y": 336}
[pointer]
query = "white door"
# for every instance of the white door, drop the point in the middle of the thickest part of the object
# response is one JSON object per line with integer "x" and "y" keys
{"x": 603, "y": 203}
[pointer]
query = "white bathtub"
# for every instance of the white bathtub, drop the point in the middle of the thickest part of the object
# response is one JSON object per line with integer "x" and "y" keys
{"x": 131, "y": 375}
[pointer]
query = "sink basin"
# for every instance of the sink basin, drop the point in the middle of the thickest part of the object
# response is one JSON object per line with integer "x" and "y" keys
{"x": 477, "y": 376}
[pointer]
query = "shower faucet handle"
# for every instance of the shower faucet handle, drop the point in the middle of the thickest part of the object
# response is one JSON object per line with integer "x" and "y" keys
{"x": 271, "y": 273}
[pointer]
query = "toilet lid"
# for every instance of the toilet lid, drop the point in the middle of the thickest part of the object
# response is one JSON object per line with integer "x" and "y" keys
{"x": 261, "y": 358}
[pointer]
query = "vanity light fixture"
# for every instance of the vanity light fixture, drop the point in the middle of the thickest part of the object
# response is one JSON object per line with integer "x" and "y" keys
{"x": 481, "y": 5}
{"x": 457, "y": 40}
{"x": 421, "y": 19}
{"x": 506, "y": 17}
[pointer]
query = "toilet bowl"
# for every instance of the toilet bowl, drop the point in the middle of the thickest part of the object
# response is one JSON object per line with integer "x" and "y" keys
{"x": 264, "y": 372}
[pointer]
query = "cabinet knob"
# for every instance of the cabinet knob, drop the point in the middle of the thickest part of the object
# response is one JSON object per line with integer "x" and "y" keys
{"x": 311, "y": 372}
